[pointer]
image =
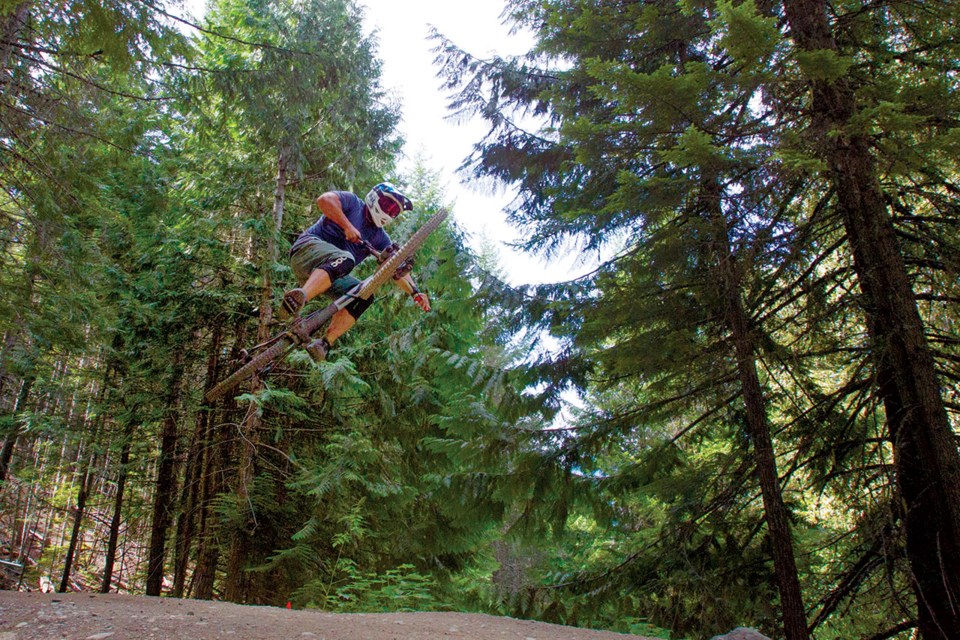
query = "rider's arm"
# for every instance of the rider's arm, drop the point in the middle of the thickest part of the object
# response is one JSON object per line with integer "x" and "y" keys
{"x": 407, "y": 284}
{"x": 329, "y": 204}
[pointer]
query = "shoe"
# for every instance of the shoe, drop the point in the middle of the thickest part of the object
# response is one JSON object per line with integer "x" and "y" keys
{"x": 293, "y": 302}
{"x": 318, "y": 349}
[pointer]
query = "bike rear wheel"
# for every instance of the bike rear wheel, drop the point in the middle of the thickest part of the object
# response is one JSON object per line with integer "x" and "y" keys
{"x": 256, "y": 363}
{"x": 315, "y": 320}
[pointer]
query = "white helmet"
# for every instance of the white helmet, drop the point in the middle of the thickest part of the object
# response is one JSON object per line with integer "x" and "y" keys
{"x": 385, "y": 203}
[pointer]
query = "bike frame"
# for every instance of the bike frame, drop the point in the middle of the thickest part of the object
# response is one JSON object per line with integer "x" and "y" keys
{"x": 301, "y": 329}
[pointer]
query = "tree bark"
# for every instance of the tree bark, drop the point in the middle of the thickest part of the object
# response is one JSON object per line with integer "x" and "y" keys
{"x": 75, "y": 532}
{"x": 111, "y": 554}
{"x": 925, "y": 452}
{"x": 190, "y": 495}
{"x": 7, "y": 379}
{"x": 166, "y": 485}
{"x": 776, "y": 514}
{"x": 208, "y": 551}
{"x": 12, "y": 24}
{"x": 212, "y": 483}
{"x": 84, "y": 492}
{"x": 10, "y": 441}
{"x": 189, "y": 499}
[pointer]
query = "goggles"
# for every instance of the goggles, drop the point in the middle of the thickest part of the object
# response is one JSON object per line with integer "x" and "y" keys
{"x": 389, "y": 206}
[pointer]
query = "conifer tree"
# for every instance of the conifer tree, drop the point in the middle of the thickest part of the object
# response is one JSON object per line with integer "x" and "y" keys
{"x": 648, "y": 110}
{"x": 639, "y": 153}
{"x": 297, "y": 109}
{"x": 924, "y": 442}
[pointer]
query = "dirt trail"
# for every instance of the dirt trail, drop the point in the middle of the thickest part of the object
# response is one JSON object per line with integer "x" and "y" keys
{"x": 86, "y": 616}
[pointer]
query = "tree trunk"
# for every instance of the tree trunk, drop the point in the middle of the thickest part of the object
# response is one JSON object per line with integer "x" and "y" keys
{"x": 236, "y": 586}
{"x": 111, "y": 555}
{"x": 208, "y": 551}
{"x": 189, "y": 499}
{"x": 12, "y": 24}
{"x": 77, "y": 525}
{"x": 10, "y": 441}
{"x": 926, "y": 459}
{"x": 190, "y": 495}
{"x": 166, "y": 485}
{"x": 84, "y": 492}
{"x": 212, "y": 483}
{"x": 776, "y": 514}
{"x": 7, "y": 379}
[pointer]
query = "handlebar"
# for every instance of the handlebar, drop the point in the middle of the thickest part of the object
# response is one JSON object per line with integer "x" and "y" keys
{"x": 370, "y": 248}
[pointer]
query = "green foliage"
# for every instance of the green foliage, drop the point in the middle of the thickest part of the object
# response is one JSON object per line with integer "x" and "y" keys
{"x": 748, "y": 35}
{"x": 670, "y": 138}
{"x": 824, "y": 64}
{"x": 427, "y": 464}
{"x": 396, "y": 589}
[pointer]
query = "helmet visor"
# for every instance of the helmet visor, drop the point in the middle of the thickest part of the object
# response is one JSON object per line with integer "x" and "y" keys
{"x": 388, "y": 205}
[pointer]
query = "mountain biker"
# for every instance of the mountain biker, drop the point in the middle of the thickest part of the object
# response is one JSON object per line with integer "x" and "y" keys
{"x": 323, "y": 256}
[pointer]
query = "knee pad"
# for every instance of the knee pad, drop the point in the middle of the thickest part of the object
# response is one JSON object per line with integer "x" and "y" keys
{"x": 337, "y": 266}
{"x": 358, "y": 306}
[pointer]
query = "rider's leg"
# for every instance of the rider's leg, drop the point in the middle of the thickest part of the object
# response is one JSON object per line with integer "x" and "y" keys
{"x": 341, "y": 323}
{"x": 344, "y": 319}
{"x": 316, "y": 264}
{"x": 317, "y": 283}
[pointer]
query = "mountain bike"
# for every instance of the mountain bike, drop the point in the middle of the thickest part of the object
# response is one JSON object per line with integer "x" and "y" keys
{"x": 301, "y": 329}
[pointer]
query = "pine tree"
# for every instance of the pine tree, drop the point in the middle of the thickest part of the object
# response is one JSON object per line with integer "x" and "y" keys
{"x": 925, "y": 449}
{"x": 296, "y": 89}
{"x": 650, "y": 113}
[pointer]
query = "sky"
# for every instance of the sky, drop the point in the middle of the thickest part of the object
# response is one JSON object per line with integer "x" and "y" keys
{"x": 411, "y": 77}
{"x": 409, "y": 73}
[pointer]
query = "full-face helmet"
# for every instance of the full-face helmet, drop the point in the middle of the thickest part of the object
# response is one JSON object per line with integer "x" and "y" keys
{"x": 385, "y": 203}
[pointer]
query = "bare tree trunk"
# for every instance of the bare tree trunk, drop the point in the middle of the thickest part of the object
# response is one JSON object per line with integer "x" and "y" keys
{"x": 10, "y": 441}
{"x": 166, "y": 485}
{"x": 190, "y": 500}
{"x": 208, "y": 551}
{"x": 10, "y": 27}
{"x": 77, "y": 525}
{"x": 925, "y": 452}
{"x": 212, "y": 482}
{"x": 111, "y": 555}
{"x": 196, "y": 454}
{"x": 776, "y": 514}
{"x": 7, "y": 379}
{"x": 87, "y": 481}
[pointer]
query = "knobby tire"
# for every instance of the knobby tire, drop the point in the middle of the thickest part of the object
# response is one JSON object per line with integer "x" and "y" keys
{"x": 315, "y": 320}
{"x": 256, "y": 363}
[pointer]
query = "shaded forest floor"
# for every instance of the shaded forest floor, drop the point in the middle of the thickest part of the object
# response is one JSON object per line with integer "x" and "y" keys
{"x": 87, "y": 616}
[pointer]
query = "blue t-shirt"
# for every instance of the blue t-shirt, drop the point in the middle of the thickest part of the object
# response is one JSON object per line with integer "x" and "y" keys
{"x": 356, "y": 212}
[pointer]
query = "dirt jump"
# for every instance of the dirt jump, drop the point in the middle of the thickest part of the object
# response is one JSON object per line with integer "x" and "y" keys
{"x": 88, "y": 616}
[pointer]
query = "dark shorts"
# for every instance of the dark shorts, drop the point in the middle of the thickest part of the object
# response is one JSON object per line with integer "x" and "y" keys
{"x": 308, "y": 253}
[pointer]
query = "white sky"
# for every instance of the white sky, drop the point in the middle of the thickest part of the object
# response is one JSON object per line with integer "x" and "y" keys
{"x": 409, "y": 72}
{"x": 408, "y": 69}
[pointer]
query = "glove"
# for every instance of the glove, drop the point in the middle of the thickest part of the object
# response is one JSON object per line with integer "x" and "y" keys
{"x": 422, "y": 300}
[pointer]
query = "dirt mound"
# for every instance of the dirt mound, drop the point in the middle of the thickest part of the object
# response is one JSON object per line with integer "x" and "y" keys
{"x": 85, "y": 616}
